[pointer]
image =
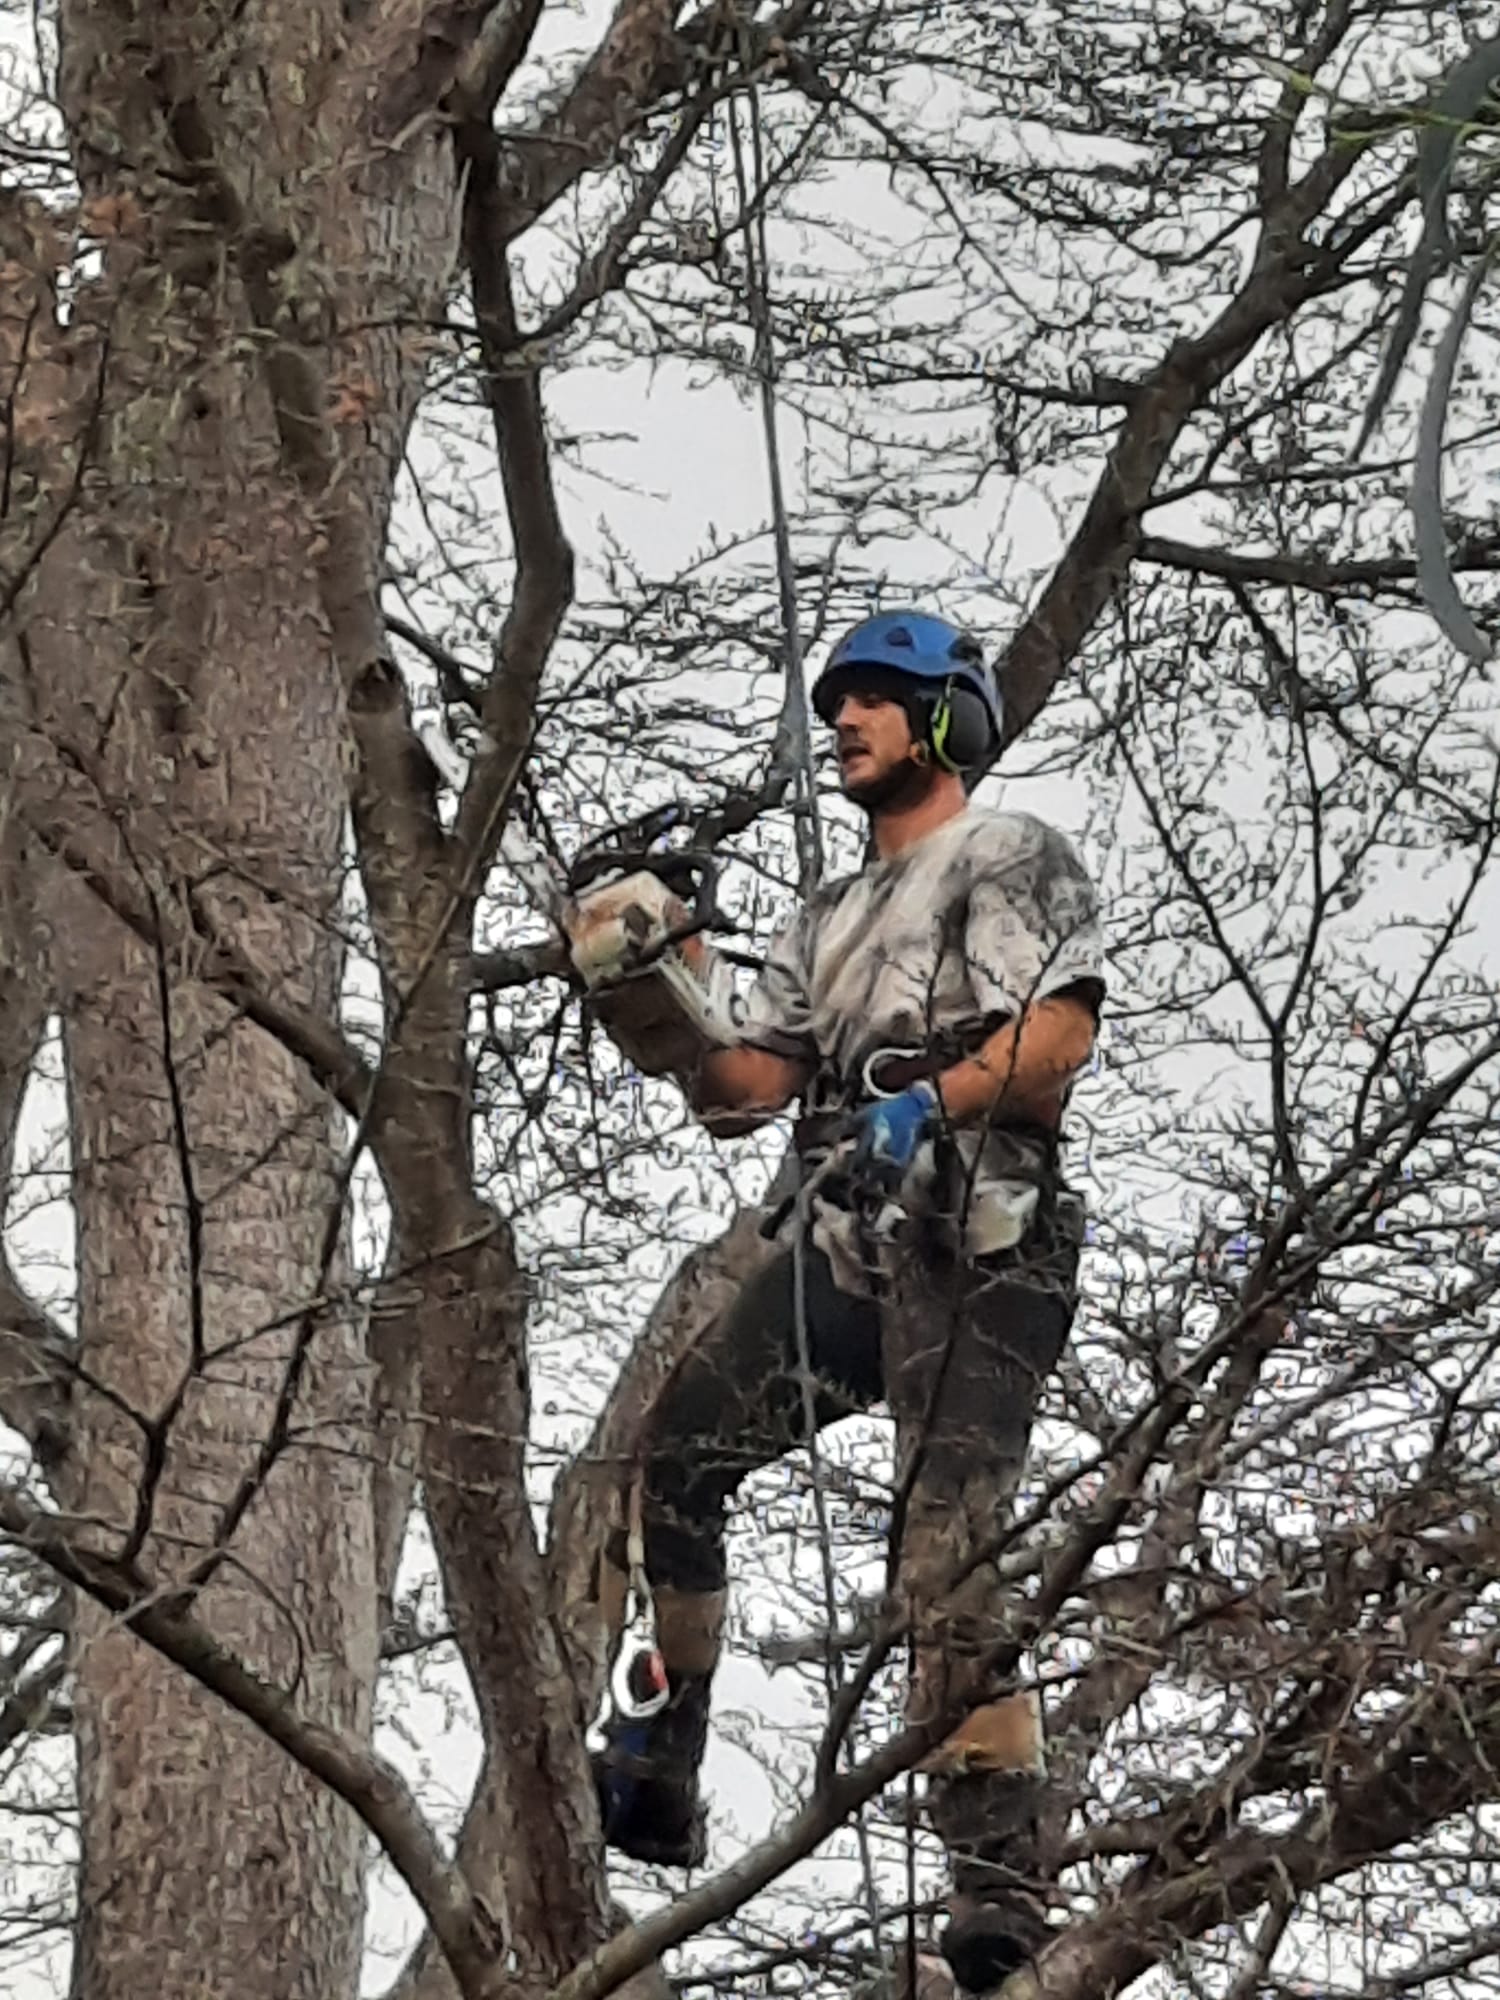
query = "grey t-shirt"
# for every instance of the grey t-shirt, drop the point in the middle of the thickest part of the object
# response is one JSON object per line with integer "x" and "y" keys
{"x": 946, "y": 940}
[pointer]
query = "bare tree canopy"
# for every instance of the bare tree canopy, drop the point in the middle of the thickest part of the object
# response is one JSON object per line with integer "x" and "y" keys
{"x": 424, "y": 421}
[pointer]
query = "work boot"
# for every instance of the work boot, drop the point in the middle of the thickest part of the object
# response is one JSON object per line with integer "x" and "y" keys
{"x": 997, "y": 1917}
{"x": 987, "y": 1940}
{"x": 647, "y": 1778}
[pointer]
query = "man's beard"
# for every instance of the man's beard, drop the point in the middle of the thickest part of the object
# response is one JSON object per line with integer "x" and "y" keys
{"x": 904, "y": 784}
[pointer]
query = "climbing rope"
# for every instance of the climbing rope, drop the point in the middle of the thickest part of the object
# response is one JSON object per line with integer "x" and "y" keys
{"x": 751, "y": 188}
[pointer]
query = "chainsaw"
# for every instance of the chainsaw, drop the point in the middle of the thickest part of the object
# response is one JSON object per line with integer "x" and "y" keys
{"x": 635, "y": 923}
{"x": 634, "y": 918}
{"x": 633, "y": 909}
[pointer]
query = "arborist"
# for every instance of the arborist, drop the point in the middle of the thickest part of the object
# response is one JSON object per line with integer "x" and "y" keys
{"x": 931, "y": 1012}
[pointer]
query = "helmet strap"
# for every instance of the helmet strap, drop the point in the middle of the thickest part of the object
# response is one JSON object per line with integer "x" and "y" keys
{"x": 938, "y": 726}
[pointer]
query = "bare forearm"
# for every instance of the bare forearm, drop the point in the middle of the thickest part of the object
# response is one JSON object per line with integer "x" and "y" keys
{"x": 733, "y": 1090}
{"x": 1024, "y": 1069}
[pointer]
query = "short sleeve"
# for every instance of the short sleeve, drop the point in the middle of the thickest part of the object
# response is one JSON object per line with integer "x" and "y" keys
{"x": 777, "y": 1011}
{"x": 1032, "y": 926}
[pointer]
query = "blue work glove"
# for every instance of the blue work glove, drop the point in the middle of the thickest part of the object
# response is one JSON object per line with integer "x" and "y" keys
{"x": 889, "y": 1135}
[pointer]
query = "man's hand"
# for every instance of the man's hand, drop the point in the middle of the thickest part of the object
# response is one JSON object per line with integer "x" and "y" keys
{"x": 736, "y": 1089}
{"x": 889, "y": 1134}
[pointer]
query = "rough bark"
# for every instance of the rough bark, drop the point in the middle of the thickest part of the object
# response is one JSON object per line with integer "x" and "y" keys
{"x": 184, "y": 627}
{"x": 41, "y": 435}
{"x": 35, "y": 1381}
{"x": 206, "y": 1174}
{"x": 199, "y": 647}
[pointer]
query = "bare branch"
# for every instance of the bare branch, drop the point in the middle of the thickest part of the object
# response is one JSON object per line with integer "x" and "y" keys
{"x": 1434, "y": 1760}
{"x": 468, "y": 1934}
{"x": 638, "y": 60}
{"x": 455, "y": 681}
{"x": 473, "y": 45}
{"x": 34, "y": 1378}
{"x": 497, "y": 51}
{"x": 72, "y": 829}
{"x": 544, "y": 561}
{"x": 641, "y": 59}
{"x": 25, "y": 1706}
{"x": 1307, "y": 571}
{"x": 1105, "y": 540}
{"x": 722, "y": 1894}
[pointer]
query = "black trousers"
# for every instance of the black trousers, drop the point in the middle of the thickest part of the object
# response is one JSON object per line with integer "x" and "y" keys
{"x": 958, "y": 1348}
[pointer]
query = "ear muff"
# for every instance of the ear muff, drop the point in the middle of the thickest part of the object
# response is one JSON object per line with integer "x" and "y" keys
{"x": 959, "y": 730}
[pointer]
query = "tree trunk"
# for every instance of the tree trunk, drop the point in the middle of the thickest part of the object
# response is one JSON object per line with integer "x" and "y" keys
{"x": 206, "y": 1180}
{"x": 182, "y": 648}
{"x": 205, "y": 1852}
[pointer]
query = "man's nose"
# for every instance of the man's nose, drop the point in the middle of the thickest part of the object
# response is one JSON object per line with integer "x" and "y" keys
{"x": 848, "y": 712}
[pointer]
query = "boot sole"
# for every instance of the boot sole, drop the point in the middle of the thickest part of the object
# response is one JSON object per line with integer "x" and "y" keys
{"x": 983, "y": 1955}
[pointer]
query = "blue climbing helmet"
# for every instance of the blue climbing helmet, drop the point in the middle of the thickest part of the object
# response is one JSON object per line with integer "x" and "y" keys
{"x": 939, "y": 673}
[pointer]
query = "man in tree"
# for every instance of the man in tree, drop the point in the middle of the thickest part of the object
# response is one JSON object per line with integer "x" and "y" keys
{"x": 931, "y": 1012}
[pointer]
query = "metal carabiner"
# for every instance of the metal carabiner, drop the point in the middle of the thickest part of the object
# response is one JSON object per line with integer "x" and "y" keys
{"x": 639, "y": 1687}
{"x": 875, "y": 1058}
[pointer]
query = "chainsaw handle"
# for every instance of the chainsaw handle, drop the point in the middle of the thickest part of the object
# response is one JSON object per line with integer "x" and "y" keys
{"x": 701, "y": 916}
{"x": 691, "y": 874}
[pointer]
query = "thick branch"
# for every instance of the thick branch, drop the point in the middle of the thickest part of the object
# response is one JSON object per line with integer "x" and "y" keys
{"x": 642, "y": 59}
{"x": 1107, "y": 538}
{"x": 544, "y": 561}
{"x": 467, "y": 1467}
{"x": 396, "y": 1442}
{"x": 1309, "y": 572}
{"x": 497, "y": 52}
{"x": 393, "y": 796}
{"x": 639, "y": 60}
{"x": 25, "y": 1707}
{"x": 365, "y": 1782}
{"x": 588, "y": 1502}
{"x": 34, "y": 1380}
{"x": 451, "y": 46}
{"x": 1430, "y": 1767}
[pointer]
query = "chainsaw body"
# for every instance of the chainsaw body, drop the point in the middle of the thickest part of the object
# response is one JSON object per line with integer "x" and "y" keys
{"x": 627, "y": 933}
